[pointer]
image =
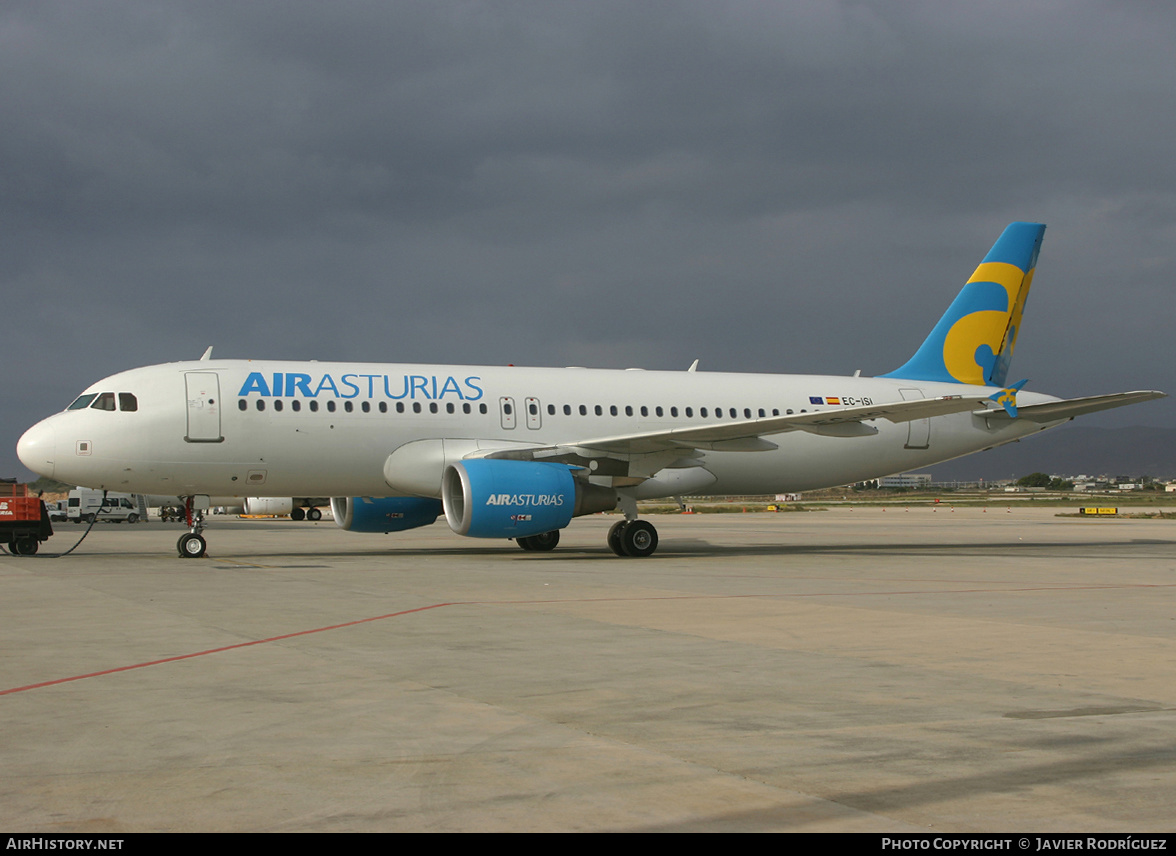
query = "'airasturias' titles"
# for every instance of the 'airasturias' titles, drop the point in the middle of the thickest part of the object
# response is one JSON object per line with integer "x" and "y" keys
{"x": 524, "y": 499}
{"x": 279, "y": 384}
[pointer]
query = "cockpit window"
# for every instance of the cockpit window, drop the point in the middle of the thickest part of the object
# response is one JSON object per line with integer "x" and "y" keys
{"x": 83, "y": 401}
{"x": 105, "y": 401}
{"x": 127, "y": 402}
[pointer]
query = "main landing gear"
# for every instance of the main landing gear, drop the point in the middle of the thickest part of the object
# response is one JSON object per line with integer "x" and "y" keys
{"x": 540, "y": 543}
{"x": 192, "y": 544}
{"x": 632, "y": 538}
{"x": 310, "y": 513}
{"x": 626, "y": 538}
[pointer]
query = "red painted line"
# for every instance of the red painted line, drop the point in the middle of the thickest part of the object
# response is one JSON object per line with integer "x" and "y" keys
{"x": 219, "y": 650}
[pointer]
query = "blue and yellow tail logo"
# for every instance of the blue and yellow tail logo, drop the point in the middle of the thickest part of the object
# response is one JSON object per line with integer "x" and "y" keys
{"x": 973, "y": 342}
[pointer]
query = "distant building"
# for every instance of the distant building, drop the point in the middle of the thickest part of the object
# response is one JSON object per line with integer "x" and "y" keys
{"x": 906, "y": 480}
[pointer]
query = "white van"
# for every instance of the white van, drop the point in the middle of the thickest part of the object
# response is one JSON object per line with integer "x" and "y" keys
{"x": 86, "y": 505}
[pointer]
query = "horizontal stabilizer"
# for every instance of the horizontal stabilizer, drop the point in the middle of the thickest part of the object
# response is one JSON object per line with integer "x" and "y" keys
{"x": 1052, "y": 411}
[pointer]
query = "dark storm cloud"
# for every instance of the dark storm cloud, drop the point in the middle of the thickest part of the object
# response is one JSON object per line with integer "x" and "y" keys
{"x": 793, "y": 186}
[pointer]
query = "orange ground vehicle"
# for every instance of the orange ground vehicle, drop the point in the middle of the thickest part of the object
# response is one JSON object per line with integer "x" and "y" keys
{"x": 24, "y": 520}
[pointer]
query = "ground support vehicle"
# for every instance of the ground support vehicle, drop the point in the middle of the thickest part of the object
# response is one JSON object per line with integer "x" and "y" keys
{"x": 87, "y": 505}
{"x": 24, "y": 520}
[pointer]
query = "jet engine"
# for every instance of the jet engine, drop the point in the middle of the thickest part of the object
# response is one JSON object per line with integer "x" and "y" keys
{"x": 278, "y": 506}
{"x": 384, "y": 514}
{"x": 487, "y": 498}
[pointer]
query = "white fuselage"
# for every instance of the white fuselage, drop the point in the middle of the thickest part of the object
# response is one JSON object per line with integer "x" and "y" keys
{"x": 246, "y": 428}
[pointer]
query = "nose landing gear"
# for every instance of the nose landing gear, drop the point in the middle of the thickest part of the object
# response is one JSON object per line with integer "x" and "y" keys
{"x": 192, "y": 544}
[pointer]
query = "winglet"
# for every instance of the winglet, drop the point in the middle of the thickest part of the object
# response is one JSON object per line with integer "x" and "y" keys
{"x": 973, "y": 342}
{"x": 207, "y": 355}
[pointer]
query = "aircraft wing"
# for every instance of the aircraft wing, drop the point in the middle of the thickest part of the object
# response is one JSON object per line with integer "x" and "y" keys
{"x": 746, "y": 435}
{"x": 1052, "y": 411}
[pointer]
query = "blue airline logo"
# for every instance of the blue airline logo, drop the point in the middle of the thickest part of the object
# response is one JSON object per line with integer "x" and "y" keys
{"x": 430, "y": 387}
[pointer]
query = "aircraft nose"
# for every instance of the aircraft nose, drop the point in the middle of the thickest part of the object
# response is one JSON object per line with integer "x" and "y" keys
{"x": 37, "y": 449}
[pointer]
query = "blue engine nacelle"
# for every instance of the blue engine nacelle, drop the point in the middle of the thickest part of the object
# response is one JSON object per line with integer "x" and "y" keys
{"x": 493, "y": 498}
{"x": 384, "y": 514}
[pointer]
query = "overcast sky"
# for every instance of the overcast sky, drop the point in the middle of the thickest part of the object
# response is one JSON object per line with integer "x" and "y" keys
{"x": 785, "y": 186}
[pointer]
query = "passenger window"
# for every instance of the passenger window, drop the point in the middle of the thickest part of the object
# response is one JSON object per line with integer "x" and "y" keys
{"x": 278, "y": 404}
{"x": 366, "y": 407}
{"x": 330, "y": 407}
{"x": 127, "y": 402}
{"x": 242, "y": 404}
{"x": 449, "y": 408}
{"x": 689, "y": 412}
{"x": 432, "y": 407}
{"x": 296, "y": 405}
{"x": 567, "y": 410}
{"x": 465, "y": 408}
{"x": 348, "y": 406}
{"x": 400, "y": 407}
{"x": 598, "y": 410}
{"x": 383, "y": 407}
{"x": 702, "y": 412}
{"x": 612, "y": 409}
{"x": 416, "y": 407}
{"x": 583, "y": 410}
{"x": 260, "y": 404}
{"x": 482, "y": 408}
{"x": 314, "y": 407}
{"x": 628, "y": 409}
{"x": 657, "y": 410}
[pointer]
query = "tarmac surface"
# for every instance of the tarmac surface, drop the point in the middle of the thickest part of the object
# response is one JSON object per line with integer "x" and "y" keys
{"x": 930, "y": 670}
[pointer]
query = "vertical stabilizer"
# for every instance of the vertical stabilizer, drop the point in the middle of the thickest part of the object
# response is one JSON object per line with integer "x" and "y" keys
{"x": 973, "y": 342}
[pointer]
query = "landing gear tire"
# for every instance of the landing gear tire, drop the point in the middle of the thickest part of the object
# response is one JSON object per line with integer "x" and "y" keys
{"x": 614, "y": 537}
{"x": 297, "y": 514}
{"x": 541, "y": 543}
{"x": 638, "y": 539}
{"x": 314, "y": 514}
{"x": 191, "y": 546}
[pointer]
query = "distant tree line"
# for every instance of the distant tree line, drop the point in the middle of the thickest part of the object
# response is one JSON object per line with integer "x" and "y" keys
{"x": 1046, "y": 481}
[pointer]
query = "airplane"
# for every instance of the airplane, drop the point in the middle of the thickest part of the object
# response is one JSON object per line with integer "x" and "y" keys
{"x": 515, "y": 453}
